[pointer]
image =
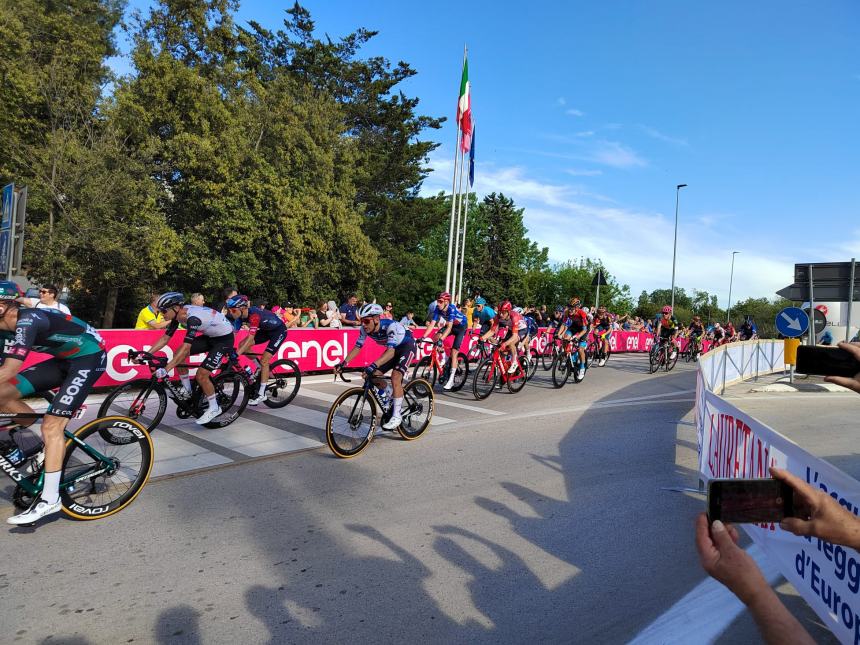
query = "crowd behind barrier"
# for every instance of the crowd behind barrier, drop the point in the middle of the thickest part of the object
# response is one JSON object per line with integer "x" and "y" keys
{"x": 733, "y": 444}
{"x": 314, "y": 350}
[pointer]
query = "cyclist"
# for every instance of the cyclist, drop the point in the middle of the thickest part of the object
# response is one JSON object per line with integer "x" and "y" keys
{"x": 399, "y": 350}
{"x": 575, "y": 327}
{"x": 696, "y": 330}
{"x": 668, "y": 328}
{"x": 263, "y": 327}
{"x": 207, "y": 331}
{"x": 719, "y": 335}
{"x": 602, "y": 329}
{"x": 454, "y": 322}
{"x": 748, "y": 330}
{"x": 507, "y": 325}
{"x": 78, "y": 360}
{"x": 531, "y": 331}
{"x": 483, "y": 315}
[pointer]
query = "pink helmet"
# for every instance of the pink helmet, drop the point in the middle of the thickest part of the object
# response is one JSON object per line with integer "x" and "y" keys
{"x": 443, "y": 295}
{"x": 667, "y": 309}
{"x": 505, "y": 306}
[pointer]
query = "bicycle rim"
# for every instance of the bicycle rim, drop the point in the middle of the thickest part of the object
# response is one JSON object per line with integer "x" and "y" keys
{"x": 283, "y": 384}
{"x": 425, "y": 370}
{"x": 517, "y": 380}
{"x": 417, "y": 409}
{"x": 462, "y": 373}
{"x": 351, "y": 423}
{"x": 561, "y": 370}
{"x": 232, "y": 392}
{"x": 141, "y": 400}
{"x": 484, "y": 380}
{"x": 92, "y": 488}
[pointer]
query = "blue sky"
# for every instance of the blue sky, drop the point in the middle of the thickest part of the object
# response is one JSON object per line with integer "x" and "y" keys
{"x": 588, "y": 114}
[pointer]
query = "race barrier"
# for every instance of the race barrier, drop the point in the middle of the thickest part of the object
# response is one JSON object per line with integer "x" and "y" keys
{"x": 735, "y": 445}
{"x": 314, "y": 350}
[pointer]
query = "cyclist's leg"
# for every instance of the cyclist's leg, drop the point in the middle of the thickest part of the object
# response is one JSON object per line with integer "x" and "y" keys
{"x": 275, "y": 339}
{"x": 399, "y": 364}
{"x": 457, "y": 332}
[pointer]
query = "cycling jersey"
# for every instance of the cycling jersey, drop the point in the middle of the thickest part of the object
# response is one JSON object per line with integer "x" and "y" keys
{"x": 450, "y": 314}
{"x": 201, "y": 321}
{"x": 576, "y": 320}
{"x": 668, "y": 327}
{"x": 514, "y": 321}
{"x": 390, "y": 334}
{"x": 696, "y": 330}
{"x": 603, "y": 322}
{"x": 485, "y": 316}
{"x": 49, "y": 331}
{"x": 531, "y": 326}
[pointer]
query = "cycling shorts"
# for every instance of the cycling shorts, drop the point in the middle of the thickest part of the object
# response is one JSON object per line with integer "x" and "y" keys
{"x": 600, "y": 330}
{"x": 458, "y": 332}
{"x": 403, "y": 354}
{"x": 666, "y": 334}
{"x": 275, "y": 338}
{"x": 74, "y": 377}
{"x": 216, "y": 349}
{"x": 523, "y": 333}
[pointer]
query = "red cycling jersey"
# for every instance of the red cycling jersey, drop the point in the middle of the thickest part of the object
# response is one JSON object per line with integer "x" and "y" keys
{"x": 516, "y": 321}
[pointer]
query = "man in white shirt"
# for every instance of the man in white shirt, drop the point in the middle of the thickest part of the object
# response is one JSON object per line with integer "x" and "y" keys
{"x": 48, "y": 300}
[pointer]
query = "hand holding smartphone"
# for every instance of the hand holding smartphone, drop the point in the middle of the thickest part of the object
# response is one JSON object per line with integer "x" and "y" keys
{"x": 827, "y": 361}
{"x": 742, "y": 501}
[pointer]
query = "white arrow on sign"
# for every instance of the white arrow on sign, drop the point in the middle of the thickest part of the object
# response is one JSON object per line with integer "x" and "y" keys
{"x": 793, "y": 323}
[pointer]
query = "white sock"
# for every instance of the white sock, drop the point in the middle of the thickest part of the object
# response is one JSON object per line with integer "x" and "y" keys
{"x": 186, "y": 381}
{"x": 212, "y": 401}
{"x": 51, "y": 489}
{"x": 398, "y": 405}
{"x": 262, "y": 389}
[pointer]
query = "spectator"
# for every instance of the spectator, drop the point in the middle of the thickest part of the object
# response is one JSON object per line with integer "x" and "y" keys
{"x": 48, "y": 300}
{"x": 544, "y": 315}
{"x": 469, "y": 309}
{"x": 387, "y": 312}
{"x": 309, "y": 318}
{"x": 291, "y": 315}
{"x": 826, "y": 338}
{"x": 408, "y": 320}
{"x": 227, "y": 292}
{"x": 197, "y": 299}
{"x": 349, "y": 312}
{"x": 333, "y": 315}
{"x": 149, "y": 317}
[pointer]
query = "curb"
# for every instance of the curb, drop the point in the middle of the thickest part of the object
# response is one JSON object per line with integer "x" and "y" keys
{"x": 800, "y": 387}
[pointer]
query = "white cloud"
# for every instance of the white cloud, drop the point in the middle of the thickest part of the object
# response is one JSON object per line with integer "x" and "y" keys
{"x": 574, "y": 112}
{"x": 585, "y": 133}
{"x": 617, "y": 155}
{"x": 575, "y": 172}
{"x": 654, "y": 133}
{"x": 561, "y": 101}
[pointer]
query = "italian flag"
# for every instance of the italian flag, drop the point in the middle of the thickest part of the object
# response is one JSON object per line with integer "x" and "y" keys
{"x": 464, "y": 109}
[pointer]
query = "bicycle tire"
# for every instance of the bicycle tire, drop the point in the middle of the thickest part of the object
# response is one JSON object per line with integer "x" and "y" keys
{"x": 425, "y": 369}
{"x": 285, "y": 379}
{"x": 125, "y": 401}
{"x": 461, "y": 376}
{"x": 516, "y": 384}
{"x": 484, "y": 381}
{"x": 232, "y": 401}
{"x": 561, "y": 371}
{"x": 92, "y": 504}
{"x": 532, "y": 367}
{"x": 607, "y": 353}
{"x": 548, "y": 358}
{"x": 670, "y": 362}
{"x": 349, "y": 433}
{"x": 417, "y": 409}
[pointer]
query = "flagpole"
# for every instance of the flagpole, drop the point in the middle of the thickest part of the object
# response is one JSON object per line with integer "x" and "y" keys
{"x": 453, "y": 206}
{"x": 463, "y": 253}
{"x": 457, "y": 233}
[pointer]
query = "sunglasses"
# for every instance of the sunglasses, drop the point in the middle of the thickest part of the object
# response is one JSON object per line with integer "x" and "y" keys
{"x": 364, "y": 321}
{"x": 45, "y": 291}
{"x": 388, "y": 306}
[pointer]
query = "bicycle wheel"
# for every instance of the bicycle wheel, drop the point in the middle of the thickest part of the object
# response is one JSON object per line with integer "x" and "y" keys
{"x": 670, "y": 359}
{"x": 285, "y": 378}
{"x": 607, "y": 352}
{"x": 517, "y": 380}
{"x": 654, "y": 359}
{"x": 484, "y": 381}
{"x": 232, "y": 392}
{"x": 548, "y": 357}
{"x": 100, "y": 477}
{"x": 531, "y": 366}
{"x": 462, "y": 374}
{"x": 140, "y": 400}
{"x": 351, "y": 423}
{"x": 417, "y": 409}
{"x": 425, "y": 369}
{"x": 561, "y": 370}
{"x": 590, "y": 353}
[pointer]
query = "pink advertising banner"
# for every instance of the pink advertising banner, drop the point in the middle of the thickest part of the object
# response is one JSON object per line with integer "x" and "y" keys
{"x": 314, "y": 350}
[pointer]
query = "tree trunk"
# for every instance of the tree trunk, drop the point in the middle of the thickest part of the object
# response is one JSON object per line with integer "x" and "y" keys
{"x": 110, "y": 307}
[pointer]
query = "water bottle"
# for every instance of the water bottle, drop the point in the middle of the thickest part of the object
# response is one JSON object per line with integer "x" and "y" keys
{"x": 384, "y": 397}
{"x": 249, "y": 372}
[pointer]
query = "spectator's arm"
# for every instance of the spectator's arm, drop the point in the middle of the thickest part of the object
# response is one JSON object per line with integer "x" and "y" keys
{"x": 725, "y": 561}
{"x": 157, "y": 324}
{"x": 850, "y": 383}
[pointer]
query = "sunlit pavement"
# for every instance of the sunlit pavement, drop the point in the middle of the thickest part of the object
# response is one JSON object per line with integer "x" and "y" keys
{"x": 541, "y": 516}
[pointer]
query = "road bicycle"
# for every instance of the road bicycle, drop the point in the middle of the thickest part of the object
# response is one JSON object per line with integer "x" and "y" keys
{"x": 479, "y": 350}
{"x": 551, "y": 353}
{"x": 145, "y": 400}
{"x": 664, "y": 353}
{"x": 359, "y": 411}
{"x": 567, "y": 363}
{"x": 100, "y": 476}
{"x": 598, "y": 353}
{"x": 493, "y": 371}
{"x": 694, "y": 348}
{"x": 435, "y": 367}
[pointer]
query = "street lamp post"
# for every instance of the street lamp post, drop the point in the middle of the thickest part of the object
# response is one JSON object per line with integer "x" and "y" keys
{"x": 731, "y": 277}
{"x": 675, "y": 245}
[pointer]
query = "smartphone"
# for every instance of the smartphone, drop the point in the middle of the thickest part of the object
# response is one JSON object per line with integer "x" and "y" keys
{"x": 826, "y": 361}
{"x": 749, "y": 500}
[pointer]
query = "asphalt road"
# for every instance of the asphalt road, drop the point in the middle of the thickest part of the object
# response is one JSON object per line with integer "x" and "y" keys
{"x": 541, "y": 516}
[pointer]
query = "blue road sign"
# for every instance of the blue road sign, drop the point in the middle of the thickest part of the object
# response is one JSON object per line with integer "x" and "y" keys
{"x": 792, "y": 322}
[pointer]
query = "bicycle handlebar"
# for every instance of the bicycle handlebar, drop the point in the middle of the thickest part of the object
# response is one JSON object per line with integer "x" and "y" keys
{"x": 150, "y": 360}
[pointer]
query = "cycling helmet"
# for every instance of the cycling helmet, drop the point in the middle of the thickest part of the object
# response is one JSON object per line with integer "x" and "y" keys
{"x": 480, "y": 301}
{"x": 518, "y": 310}
{"x": 170, "y": 299}
{"x": 505, "y": 305}
{"x": 9, "y": 290}
{"x": 369, "y": 310}
{"x": 559, "y": 309}
{"x": 667, "y": 309}
{"x": 443, "y": 295}
{"x": 575, "y": 302}
{"x": 237, "y": 301}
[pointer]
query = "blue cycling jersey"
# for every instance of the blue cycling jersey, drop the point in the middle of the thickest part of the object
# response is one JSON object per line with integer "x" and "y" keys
{"x": 390, "y": 333}
{"x": 532, "y": 326}
{"x": 450, "y": 314}
{"x": 484, "y": 316}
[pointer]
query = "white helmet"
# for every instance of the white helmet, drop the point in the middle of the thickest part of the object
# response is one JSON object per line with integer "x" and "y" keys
{"x": 519, "y": 310}
{"x": 370, "y": 309}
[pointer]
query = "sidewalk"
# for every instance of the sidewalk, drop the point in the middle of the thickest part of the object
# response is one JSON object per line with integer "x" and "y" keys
{"x": 779, "y": 382}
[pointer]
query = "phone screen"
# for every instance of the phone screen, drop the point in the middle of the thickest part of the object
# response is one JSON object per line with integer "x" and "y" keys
{"x": 749, "y": 500}
{"x": 826, "y": 361}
